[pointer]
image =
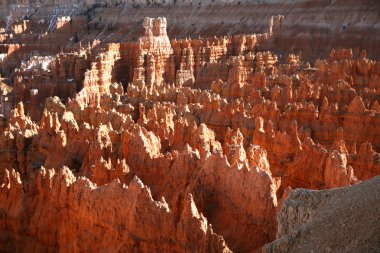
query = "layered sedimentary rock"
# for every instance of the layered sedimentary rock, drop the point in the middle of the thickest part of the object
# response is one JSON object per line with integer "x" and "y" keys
{"x": 162, "y": 144}
{"x": 323, "y": 24}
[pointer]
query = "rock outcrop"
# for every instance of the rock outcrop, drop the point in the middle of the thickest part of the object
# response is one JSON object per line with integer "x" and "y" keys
{"x": 59, "y": 205}
{"x": 344, "y": 219}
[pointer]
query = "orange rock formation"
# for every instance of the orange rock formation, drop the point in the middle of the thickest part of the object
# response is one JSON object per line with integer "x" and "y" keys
{"x": 177, "y": 145}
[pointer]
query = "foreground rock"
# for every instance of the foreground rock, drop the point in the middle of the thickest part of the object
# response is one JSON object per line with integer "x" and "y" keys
{"x": 61, "y": 213}
{"x": 339, "y": 220}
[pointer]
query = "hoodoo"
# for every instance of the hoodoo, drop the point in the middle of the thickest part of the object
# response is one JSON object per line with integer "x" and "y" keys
{"x": 189, "y": 126}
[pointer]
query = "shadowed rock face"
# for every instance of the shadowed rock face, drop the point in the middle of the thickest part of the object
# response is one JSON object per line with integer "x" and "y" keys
{"x": 344, "y": 219}
{"x": 118, "y": 136}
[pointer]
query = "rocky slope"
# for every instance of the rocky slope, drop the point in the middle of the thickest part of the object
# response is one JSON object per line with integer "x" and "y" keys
{"x": 339, "y": 220}
{"x": 163, "y": 144}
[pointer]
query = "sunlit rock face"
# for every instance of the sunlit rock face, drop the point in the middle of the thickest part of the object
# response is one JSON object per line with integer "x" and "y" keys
{"x": 137, "y": 127}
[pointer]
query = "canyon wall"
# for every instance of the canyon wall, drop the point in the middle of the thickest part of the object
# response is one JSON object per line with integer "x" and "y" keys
{"x": 323, "y": 24}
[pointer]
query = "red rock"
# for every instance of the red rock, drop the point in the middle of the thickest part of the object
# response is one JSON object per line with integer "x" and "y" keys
{"x": 219, "y": 129}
